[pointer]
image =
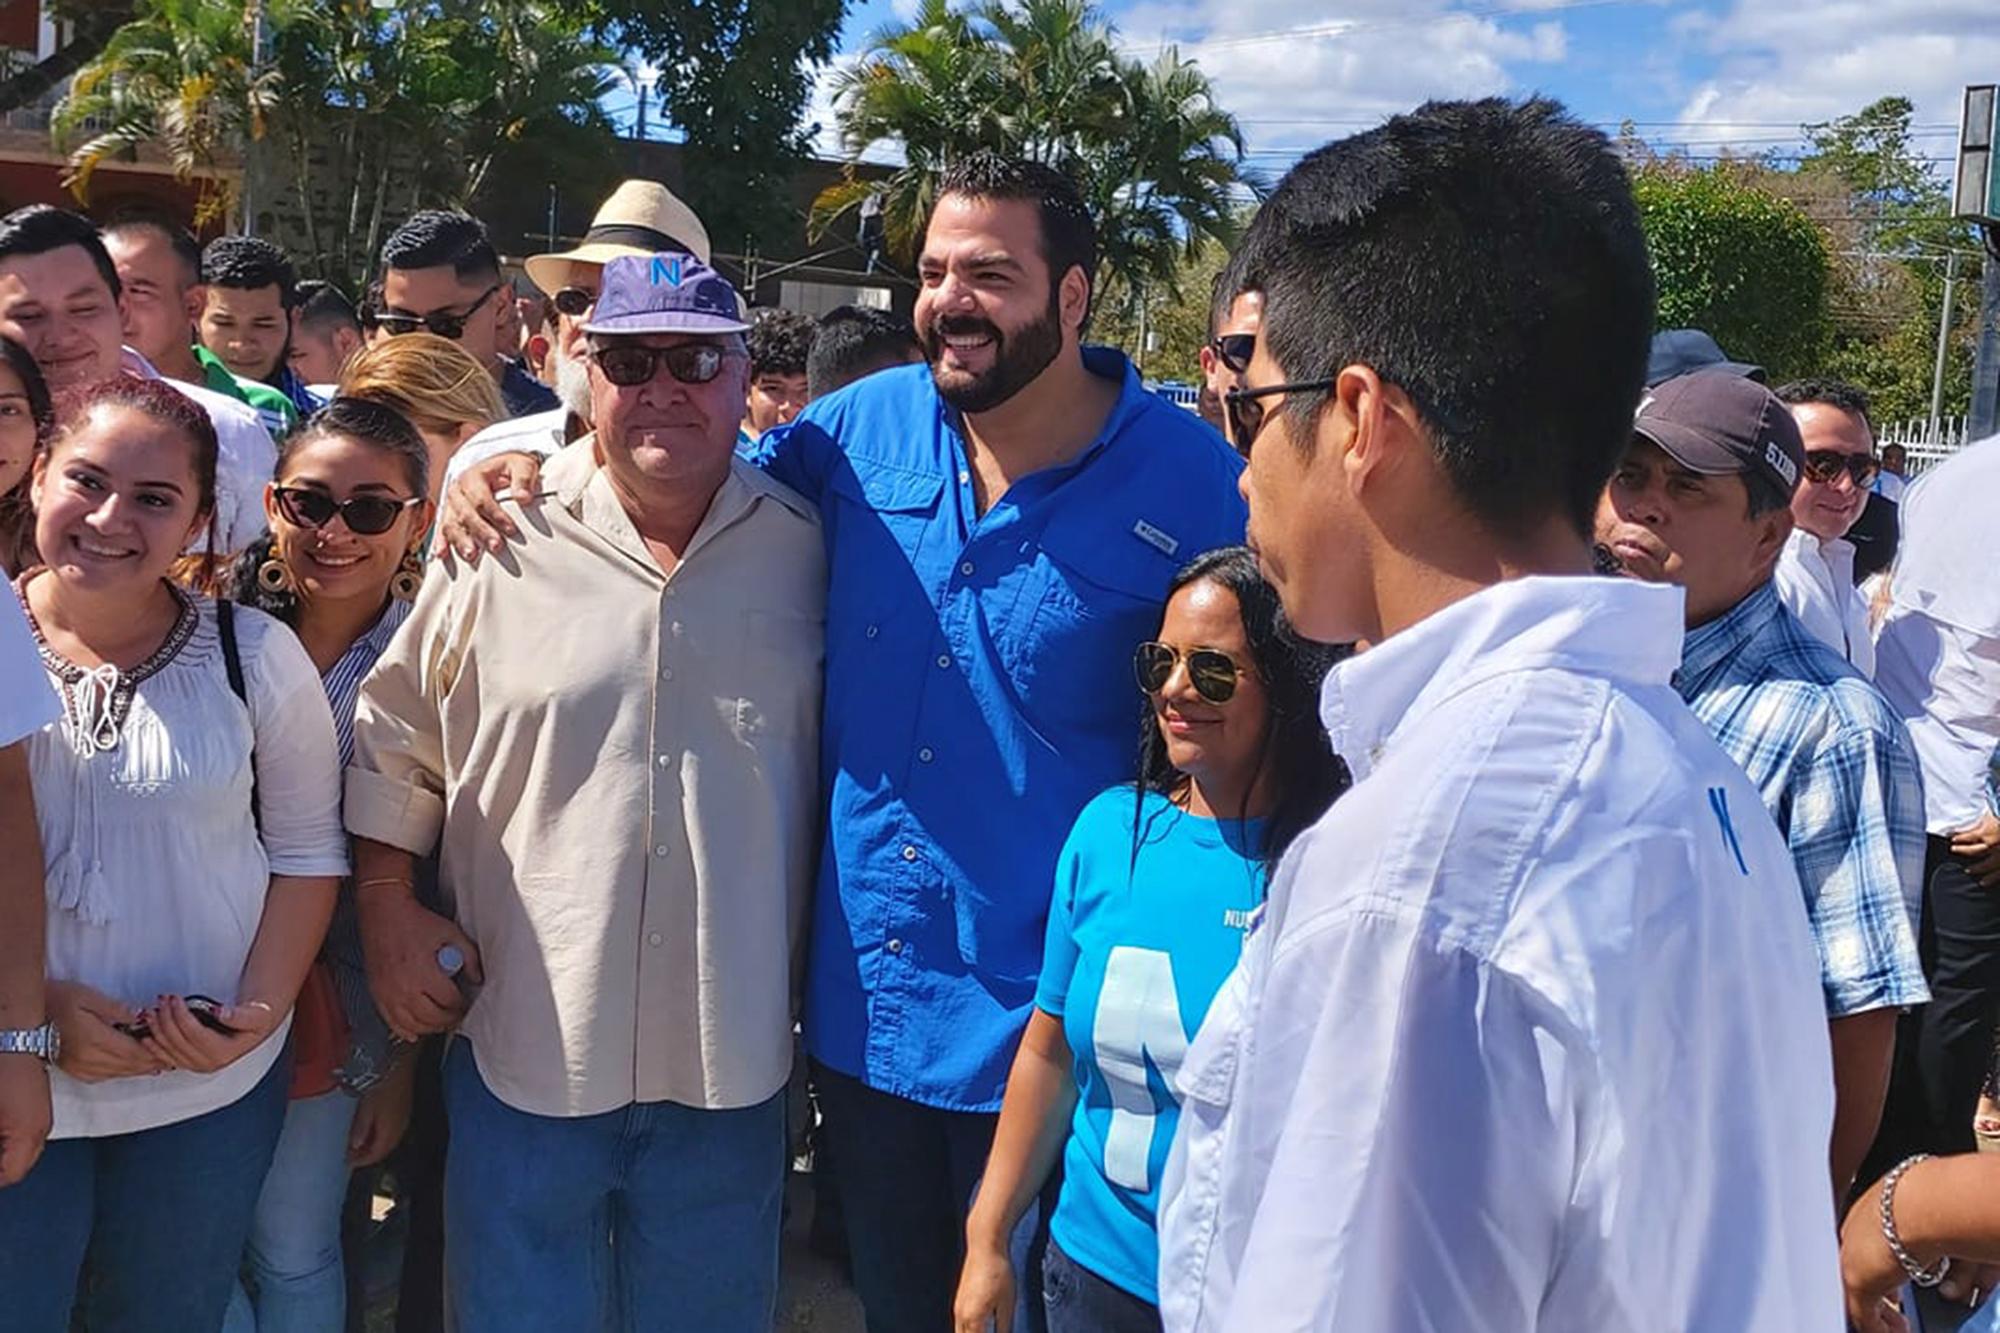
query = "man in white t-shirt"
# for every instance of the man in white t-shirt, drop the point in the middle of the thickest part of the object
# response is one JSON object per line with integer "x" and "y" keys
{"x": 1815, "y": 572}
{"x": 26, "y": 1037}
{"x": 60, "y": 297}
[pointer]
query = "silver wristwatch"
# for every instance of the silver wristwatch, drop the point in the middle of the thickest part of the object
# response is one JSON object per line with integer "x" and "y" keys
{"x": 44, "y": 1042}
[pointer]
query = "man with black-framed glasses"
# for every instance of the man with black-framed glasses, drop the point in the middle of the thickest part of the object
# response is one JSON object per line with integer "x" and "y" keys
{"x": 440, "y": 274}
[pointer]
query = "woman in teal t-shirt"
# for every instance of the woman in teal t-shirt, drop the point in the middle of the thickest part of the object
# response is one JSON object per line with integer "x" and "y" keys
{"x": 1155, "y": 891}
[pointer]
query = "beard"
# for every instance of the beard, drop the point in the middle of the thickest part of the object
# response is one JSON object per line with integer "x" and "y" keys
{"x": 1018, "y": 357}
{"x": 571, "y": 381}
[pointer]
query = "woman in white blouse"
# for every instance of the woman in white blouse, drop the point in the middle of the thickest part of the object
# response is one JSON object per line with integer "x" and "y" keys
{"x": 193, "y": 844}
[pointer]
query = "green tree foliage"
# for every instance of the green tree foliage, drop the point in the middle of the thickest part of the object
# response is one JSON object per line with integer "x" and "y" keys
{"x": 734, "y": 77}
{"x": 1159, "y": 161}
{"x": 181, "y": 76}
{"x": 1738, "y": 261}
{"x": 379, "y": 108}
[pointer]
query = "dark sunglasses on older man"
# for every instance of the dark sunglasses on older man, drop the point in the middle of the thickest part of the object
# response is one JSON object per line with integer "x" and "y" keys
{"x": 1211, "y": 671}
{"x": 630, "y": 364}
{"x": 443, "y": 323}
{"x": 1826, "y": 465}
{"x": 573, "y": 301}
{"x": 365, "y": 515}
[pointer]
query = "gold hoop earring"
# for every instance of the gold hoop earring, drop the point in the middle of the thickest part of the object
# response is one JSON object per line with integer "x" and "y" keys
{"x": 275, "y": 576}
{"x": 408, "y": 579}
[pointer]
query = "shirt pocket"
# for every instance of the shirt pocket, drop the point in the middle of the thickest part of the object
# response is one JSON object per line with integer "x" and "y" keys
{"x": 880, "y": 520}
{"x": 1090, "y": 599}
{"x": 778, "y": 677}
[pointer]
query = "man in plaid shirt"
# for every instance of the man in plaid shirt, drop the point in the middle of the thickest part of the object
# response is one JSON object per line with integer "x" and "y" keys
{"x": 1702, "y": 499}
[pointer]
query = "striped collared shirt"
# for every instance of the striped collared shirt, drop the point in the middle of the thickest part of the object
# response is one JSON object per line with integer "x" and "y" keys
{"x": 1838, "y": 773}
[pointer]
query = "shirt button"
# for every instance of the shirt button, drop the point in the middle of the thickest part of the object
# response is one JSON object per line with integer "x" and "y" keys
{"x": 964, "y": 477}
{"x": 925, "y": 754}
{"x": 654, "y": 939}
{"x": 666, "y": 673}
{"x": 944, "y": 660}
{"x": 966, "y": 569}
{"x": 909, "y": 852}
{"x": 660, "y": 850}
{"x": 664, "y": 760}
{"x": 895, "y": 946}
{"x": 873, "y": 631}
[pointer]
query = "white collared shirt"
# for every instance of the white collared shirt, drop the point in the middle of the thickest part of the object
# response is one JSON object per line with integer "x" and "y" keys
{"x": 538, "y": 433}
{"x": 1815, "y": 581}
{"x": 1938, "y": 652}
{"x": 1532, "y": 1036}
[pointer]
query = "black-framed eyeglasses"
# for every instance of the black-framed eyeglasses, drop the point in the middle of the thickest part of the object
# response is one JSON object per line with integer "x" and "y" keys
{"x": 631, "y": 364}
{"x": 1234, "y": 350}
{"x": 1826, "y": 465}
{"x": 444, "y": 323}
{"x": 574, "y": 302}
{"x": 1211, "y": 671}
{"x": 365, "y": 515}
{"x": 1244, "y": 412}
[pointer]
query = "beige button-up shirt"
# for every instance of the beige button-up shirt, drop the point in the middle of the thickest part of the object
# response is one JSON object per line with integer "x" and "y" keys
{"x": 622, "y": 768}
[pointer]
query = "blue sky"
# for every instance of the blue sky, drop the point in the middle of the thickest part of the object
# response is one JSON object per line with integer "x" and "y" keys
{"x": 1745, "y": 73}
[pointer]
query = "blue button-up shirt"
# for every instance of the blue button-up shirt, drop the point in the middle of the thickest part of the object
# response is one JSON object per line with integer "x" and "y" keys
{"x": 978, "y": 693}
{"x": 1838, "y": 772}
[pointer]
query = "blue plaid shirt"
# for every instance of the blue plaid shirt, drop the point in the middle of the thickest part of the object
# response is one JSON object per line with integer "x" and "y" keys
{"x": 1837, "y": 770}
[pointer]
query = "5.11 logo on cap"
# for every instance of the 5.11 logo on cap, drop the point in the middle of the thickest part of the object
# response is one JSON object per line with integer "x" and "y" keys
{"x": 1782, "y": 465}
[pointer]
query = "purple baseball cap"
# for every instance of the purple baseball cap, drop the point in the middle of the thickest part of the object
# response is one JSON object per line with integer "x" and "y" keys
{"x": 664, "y": 293}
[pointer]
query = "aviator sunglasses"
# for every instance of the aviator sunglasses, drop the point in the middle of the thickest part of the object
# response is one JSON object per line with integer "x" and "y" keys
{"x": 1825, "y": 465}
{"x": 441, "y": 322}
{"x": 1210, "y": 670}
{"x": 365, "y": 515}
{"x": 631, "y": 364}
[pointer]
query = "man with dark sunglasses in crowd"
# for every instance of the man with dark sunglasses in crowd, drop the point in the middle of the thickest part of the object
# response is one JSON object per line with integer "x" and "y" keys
{"x": 640, "y": 218}
{"x": 626, "y": 822}
{"x": 1704, "y": 498}
{"x": 1233, "y": 317}
{"x": 1815, "y": 575}
{"x": 440, "y": 274}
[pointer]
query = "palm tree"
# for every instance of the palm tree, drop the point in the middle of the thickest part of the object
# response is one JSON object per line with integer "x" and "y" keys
{"x": 1159, "y": 161}
{"x": 181, "y": 75}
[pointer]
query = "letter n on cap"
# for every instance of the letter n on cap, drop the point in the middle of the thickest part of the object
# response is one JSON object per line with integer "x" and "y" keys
{"x": 667, "y": 269}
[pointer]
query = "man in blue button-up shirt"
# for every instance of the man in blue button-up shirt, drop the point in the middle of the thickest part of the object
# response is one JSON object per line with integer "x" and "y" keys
{"x": 1001, "y": 528}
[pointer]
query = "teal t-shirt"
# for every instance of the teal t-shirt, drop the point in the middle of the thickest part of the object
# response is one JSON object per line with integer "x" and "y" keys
{"x": 1136, "y": 952}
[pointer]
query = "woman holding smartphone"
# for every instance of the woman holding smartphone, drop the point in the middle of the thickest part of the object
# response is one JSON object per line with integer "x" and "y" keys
{"x": 180, "y": 923}
{"x": 1155, "y": 891}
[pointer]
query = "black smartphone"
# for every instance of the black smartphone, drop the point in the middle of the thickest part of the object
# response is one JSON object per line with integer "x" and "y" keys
{"x": 204, "y": 1009}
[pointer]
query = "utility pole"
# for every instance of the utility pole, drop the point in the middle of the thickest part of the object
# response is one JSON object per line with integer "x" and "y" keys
{"x": 1986, "y": 365}
{"x": 1943, "y": 346}
{"x": 248, "y": 200}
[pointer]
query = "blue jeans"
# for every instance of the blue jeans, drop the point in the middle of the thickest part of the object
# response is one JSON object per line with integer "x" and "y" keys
{"x": 294, "y": 1250}
{"x": 1079, "y": 1301}
{"x": 655, "y": 1216}
{"x": 907, "y": 1176}
{"x": 160, "y": 1214}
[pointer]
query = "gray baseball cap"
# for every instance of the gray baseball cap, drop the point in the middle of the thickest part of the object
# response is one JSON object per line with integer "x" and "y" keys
{"x": 1718, "y": 422}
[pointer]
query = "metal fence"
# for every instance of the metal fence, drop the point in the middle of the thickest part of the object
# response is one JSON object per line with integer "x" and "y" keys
{"x": 1925, "y": 445}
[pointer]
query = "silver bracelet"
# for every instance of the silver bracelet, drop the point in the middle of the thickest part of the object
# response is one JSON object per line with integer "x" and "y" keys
{"x": 1923, "y": 1277}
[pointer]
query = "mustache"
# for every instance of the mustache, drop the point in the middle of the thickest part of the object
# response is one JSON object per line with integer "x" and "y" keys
{"x": 948, "y": 326}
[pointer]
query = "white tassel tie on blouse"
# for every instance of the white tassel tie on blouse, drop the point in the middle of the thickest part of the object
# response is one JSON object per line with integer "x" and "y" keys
{"x": 92, "y": 727}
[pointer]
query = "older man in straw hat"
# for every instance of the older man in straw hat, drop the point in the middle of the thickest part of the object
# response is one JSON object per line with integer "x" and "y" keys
{"x": 640, "y": 218}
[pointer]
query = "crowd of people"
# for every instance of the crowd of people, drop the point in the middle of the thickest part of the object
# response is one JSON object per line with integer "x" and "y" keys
{"x": 1489, "y": 823}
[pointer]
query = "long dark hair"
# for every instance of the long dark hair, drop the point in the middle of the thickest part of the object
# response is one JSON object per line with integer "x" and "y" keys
{"x": 359, "y": 419}
{"x": 1304, "y": 774}
{"x": 17, "y": 519}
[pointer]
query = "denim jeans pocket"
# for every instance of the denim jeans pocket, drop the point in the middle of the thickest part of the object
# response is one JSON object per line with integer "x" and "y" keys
{"x": 1058, "y": 1279}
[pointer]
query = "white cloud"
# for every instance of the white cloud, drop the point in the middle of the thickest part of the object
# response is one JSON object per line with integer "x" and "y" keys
{"x": 1780, "y": 65}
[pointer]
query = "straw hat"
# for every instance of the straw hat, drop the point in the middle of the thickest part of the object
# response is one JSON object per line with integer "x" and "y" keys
{"x": 640, "y": 218}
